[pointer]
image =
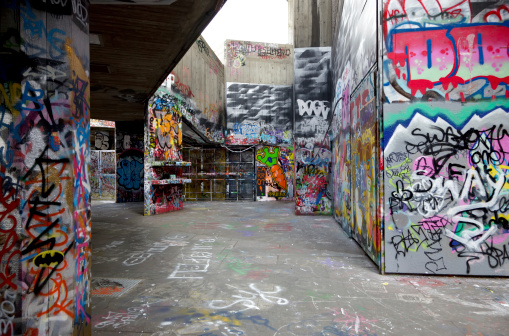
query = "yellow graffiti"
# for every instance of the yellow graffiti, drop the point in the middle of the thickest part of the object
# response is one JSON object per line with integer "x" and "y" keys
{"x": 49, "y": 258}
{"x": 15, "y": 97}
{"x": 208, "y": 316}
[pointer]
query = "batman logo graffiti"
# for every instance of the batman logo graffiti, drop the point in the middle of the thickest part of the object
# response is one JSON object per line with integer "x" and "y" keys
{"x": 49, "y": 258}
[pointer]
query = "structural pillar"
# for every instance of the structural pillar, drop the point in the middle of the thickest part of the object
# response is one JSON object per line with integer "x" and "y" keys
{"x": 44, "y": 158}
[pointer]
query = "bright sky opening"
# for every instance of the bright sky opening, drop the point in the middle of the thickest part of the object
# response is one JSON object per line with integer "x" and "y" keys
{"x": 248, "y": 20}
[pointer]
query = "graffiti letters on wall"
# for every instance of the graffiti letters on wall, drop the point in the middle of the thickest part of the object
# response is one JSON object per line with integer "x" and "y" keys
{"x": 164, "y": 133}
{"x": 258, "y": 114}
{"x": 312, "y": 119}
{"x": 355, "y": 126}
{"x": 163, "y": 186}
{"x": 365, "y": 168}
{"x": 237, "y": 52}
{"x": 102, "y": 123}
{"x": 130, "y": 153}
{"x": 446, "y": 173}
{"x": 166, "y": 99}
{"x": 274, "y": 173}
{"x": 44, "y": 158}
{"x": 446, "y": 50}
{"x": 102, "y": 139}
{"x": 446, "y": 163}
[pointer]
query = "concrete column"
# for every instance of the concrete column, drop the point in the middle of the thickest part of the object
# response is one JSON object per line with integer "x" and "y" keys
{"x": 44, "y": 158}
{"x": 310, "y": 23}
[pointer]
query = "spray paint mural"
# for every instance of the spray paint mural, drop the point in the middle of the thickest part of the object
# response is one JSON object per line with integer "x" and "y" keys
{"x": 199, "y": 93}
{"x": 163, "y": 182}
{"x": 258, "y": 113}
{"x": 446, "y": 50}
{"x": 446, "y": 188}
{"x": 355, "y": 127}
{"x": 102, "y": 139}
{"x": 446, "y": 163}
{"x": 340, "y": 130}
{"x": 165, "y": 97}
{"x": 312, "y": 119}
{"x": 274, "y": 173}
{"x": 365, "y": 168}
{"x": 44, "y": 178}
{"x": 130, "y": 146}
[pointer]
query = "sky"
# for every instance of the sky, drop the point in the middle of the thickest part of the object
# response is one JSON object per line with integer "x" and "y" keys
{"x": 248, "y": 20}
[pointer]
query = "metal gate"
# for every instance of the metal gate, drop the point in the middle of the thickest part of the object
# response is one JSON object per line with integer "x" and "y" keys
{"x": 219, "y": 174}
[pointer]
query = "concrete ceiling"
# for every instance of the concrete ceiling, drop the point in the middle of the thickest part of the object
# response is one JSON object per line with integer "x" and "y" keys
{"x": 141, "y": 41}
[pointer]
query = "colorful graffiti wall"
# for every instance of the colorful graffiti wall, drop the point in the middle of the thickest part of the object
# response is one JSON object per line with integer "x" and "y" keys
{"x": 258, "y": 114}
{"x": 446, "y": 188}
{"x": 130, "y": 152}
{"x": 44, "y": 177}
{"x": 163, "y": 173}
{"x": 312, "y": 114}
{"x": 274, "y": 173}
{"x": 365, "y": 168}
{"x": 445, "y": 50}
{"x": 355, "y": 127}
{"x": 446, "y": 161}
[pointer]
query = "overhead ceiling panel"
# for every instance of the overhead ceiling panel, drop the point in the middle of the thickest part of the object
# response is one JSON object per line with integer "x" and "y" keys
{"x": 139, "y": 45}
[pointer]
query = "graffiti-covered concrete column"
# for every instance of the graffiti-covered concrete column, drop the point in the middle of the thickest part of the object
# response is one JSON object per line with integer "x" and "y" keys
{"x": 44, "y": 158}
{"x": 446, "y": 136}
{"x": 312, "y": 118}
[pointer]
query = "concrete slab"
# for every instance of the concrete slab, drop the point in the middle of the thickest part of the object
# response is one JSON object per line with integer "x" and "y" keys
{"x": 257, "y": 269}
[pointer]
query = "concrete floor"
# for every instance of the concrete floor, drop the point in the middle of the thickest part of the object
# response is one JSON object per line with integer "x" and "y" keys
{"x": 257, "y": 269}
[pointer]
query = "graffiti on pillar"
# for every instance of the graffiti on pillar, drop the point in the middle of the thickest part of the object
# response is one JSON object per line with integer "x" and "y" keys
{"x": 274, "y": 173}
{"x": 446, "y": 173}
{"x": 199, "y": 109}
{"x": 312, "y": 178}
{"x": 365, "y": 170}
{"x": 258, "y": 114}
{"x": 340, "y": 133}
{"x": 130, "y": 161}
{"x": 167, "y": 198}
{"x": 165, "y": 133}
{"x": 44, "y": 177}
{"x": 102, "y": 139}
{"x": 446, "y": 50}
{"x": 312, "y": 112}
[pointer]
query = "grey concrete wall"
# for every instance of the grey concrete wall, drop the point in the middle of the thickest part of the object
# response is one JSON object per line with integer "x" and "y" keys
{"x": 311, "y": 23}
{"x": 198, "y": 80}
{"x": 258, "y": 63}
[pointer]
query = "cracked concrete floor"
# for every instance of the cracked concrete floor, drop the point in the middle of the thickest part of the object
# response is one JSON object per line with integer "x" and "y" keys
{"x": 219, "y": 268}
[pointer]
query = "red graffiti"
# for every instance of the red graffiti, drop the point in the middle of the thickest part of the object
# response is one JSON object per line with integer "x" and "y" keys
{"x": 9, "y": 203}
{"x": 60, "y": 292}
{"x": 496, "y": 15}
{"x": 185, "y": 89}
{"x": 451, "y": 56}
